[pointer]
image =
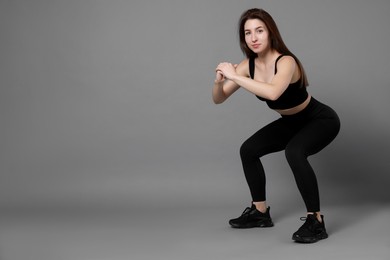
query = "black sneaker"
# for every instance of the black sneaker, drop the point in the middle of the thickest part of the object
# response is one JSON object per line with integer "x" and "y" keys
{"x": 311, "y": 231}
{"x": 251, "y": 217}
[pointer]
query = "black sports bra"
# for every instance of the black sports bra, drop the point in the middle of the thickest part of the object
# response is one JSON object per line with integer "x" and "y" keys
{"x": 294, "y": 95}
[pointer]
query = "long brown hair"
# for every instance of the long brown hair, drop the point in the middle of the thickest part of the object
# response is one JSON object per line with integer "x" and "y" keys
{"x": 276, "y": 40}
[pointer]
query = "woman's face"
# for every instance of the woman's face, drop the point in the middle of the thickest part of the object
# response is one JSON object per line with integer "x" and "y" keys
{"x": 256, "y": 35}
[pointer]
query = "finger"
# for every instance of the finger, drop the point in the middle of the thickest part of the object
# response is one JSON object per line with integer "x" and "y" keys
{"x": 220, "y": 73}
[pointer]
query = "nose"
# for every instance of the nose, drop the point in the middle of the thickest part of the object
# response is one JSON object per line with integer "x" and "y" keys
{"x": 254, "y": 37}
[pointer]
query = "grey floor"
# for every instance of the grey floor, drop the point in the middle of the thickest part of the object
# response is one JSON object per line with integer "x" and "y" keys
{"x": 356, "y": 232}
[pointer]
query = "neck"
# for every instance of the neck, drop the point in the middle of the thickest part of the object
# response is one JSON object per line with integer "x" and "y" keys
{"x": 267, "y": 56}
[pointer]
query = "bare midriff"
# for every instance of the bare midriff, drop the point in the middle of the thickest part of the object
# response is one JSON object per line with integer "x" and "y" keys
{"x": 294, "y": 110}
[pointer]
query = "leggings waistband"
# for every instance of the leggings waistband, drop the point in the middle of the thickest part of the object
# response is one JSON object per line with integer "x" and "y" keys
{"x": 311, "y": 109}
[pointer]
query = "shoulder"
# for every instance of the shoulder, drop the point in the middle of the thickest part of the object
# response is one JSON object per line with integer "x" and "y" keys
{"x": 285, "y": 62}
{"x": 286, "y": 59}
{"x": 243, "y": 68}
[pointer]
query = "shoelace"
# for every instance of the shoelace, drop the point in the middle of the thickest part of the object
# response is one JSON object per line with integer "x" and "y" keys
{"x": 246, "y": 212}
{"x": 307, "y": 225}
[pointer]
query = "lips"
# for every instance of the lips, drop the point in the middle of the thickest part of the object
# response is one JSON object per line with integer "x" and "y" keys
{"x": 255, "y": 46}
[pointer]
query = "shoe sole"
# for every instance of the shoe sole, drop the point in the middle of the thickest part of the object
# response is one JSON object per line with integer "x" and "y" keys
{"x": 308, "y": 240}
{"x": 262, "y": 224}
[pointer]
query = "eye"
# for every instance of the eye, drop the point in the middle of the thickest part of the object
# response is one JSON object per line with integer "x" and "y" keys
{"x": 260, "y": 30}
{"x": 247, "y": 33}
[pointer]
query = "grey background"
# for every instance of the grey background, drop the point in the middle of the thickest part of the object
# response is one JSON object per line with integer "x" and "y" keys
{"x": 107, "y": 104}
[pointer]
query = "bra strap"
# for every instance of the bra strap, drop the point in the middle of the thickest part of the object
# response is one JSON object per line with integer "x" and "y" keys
{"x": 252, "y": 67}
{"x": 277, "y": 59}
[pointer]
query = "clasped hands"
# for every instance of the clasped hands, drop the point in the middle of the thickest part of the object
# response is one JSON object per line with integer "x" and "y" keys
{"x": 225, "y": 70}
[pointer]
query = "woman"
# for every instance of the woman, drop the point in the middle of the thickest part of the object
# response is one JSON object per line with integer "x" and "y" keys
{"x": 305, "y": 127}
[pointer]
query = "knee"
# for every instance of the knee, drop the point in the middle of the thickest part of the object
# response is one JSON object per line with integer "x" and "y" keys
{"x": 247, "y": 152}
{"x": 244, "y": 150}
{"x": 294, "y": 155}
{"x": 250, "y": 151}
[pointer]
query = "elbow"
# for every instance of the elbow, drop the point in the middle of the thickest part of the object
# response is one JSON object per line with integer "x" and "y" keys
{"x": 274, "y": 96}
{"x": 218, "y": 101}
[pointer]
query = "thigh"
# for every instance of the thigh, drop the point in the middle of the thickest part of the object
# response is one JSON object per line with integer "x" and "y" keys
{"x": 316, "y": 134}
{"x": 271, "y": 138}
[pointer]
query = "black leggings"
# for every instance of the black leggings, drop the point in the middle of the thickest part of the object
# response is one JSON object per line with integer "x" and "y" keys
{"x": 300, "y": 135}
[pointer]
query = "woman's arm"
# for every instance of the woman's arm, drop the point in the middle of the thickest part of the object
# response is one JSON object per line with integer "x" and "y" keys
{"x": 270, "y": 91}
{"x": 223, "y": 87}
